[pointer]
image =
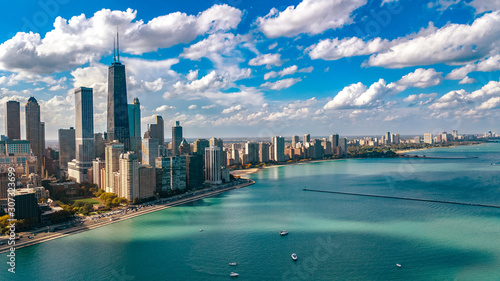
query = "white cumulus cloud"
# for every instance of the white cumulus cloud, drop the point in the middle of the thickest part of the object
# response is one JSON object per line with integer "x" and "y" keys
{"x": 267, "y": 59}
{"x": 81, "y": 40}
{"x": 310, "y": 16}
{"x": 281, "y": 84}
{"x": 359, "y": 96}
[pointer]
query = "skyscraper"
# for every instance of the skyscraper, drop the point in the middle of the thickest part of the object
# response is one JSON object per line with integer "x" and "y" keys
{"x": 264, "y": 152}
{"x": 327, "y": 147}
{"x": 170, "y": 173}
{"x": 200, "y": 145}
{"x": 217, "y": 142}
{"x": 99, "y": 144}
{"x": 184, "y": 148}
{"x": 67, "y": 148}
{"x": 12, "y": 120}
{"x": 147, "y": 182}
{"x": 163, "y": 174}
{"x": 334, "y": 139}
{"x": 306, "y": 138}
{"x": 236, "y": 156}
{"x": 156, "y": 131}
{"x": 295, "y": 140}
{"x": 178, "y": 172}
{"x": 97, "y": 165}
{"x": 388, "y": 139}
{"x": 213, "y": 164}
{"x": 84, "y": 134}
{"x": 176, "y": 138}
{"x": 134, "y": 122}
{"x": 113, "y": 152}
{"x": 252, "y": 150}
{"x": 318, "y": 149}
{"x": 428, "y": 138}
{"x": 129, "y": 168}
{"x": 118, "y": 122}
{"x": 343, "y": 146}
{"x": 194, "y": 171}
{"x": 34, "y": 130}
{"x": 149, "y": 151}
{"x": 279, "y": 148}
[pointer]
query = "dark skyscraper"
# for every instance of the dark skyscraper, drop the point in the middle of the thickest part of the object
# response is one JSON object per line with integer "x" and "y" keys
{"x": 118, "y": 121}
{"x": 176, "y": 138}
{"x": 194, "y": 170}
{"x": 67, "y": 147}
{"x": 12, "y": 120}
{"x": 35, "y": 130}
{"x": 84, "y": 135}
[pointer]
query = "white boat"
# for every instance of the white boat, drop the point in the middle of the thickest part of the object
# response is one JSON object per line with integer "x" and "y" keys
{"x": 398, "y": 265}
{"x": 294, "y": 256}
{"x": 201, "y": 230}
{"x": 283, "y": 232}
{"x": 232, "y": 263}
{"x": 234, "y": 274}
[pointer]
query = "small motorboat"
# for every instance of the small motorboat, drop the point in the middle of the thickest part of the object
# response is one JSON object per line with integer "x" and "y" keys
{"x": 234, "y": 274}
{"x": 294, "y": 256}
{"x": 283, "y": 232}
{"x": 398, "y": 265}
{"x": 232, "y": 263}
{"x": 201, "y": 230}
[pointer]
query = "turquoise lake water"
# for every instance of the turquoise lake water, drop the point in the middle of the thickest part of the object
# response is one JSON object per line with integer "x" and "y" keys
{"x": 336, "y": 237}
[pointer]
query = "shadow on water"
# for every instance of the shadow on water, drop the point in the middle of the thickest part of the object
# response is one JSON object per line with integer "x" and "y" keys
{"x": 260, "y": 256}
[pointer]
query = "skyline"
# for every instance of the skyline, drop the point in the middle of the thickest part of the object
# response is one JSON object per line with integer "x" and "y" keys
{"x": 245, "y": 69}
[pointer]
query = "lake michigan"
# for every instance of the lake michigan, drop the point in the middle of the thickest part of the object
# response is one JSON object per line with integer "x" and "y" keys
{"x": 335, "y": 236}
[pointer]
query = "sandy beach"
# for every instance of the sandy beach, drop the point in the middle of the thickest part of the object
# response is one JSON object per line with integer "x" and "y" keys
{"x": 408, "y": 150}
{"x": 43, "y": 236}
{"x": 244, "y": 172}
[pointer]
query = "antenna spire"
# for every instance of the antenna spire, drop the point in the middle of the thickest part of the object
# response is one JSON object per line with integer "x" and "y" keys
{"x": 117, "y": 44}
{"x": 114, "y": 49}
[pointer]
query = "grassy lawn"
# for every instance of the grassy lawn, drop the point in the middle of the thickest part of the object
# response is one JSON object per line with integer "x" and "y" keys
{"x": 86, "y": 200}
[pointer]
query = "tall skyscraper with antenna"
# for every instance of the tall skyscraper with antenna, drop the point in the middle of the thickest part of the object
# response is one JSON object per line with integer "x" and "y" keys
{"x": 118, "y": 121}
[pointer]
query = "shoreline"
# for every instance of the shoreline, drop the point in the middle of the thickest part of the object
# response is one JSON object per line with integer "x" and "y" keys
{"x": 78, "y": 229}
{"x": 245, "y": 172}
{"x": 418, "y": 149}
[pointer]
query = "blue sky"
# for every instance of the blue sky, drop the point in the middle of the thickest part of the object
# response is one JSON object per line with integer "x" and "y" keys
{"x": 258, "y": 68}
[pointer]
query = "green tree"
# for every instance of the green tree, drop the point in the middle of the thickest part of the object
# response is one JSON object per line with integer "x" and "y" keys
{"x": 4, "y": 223}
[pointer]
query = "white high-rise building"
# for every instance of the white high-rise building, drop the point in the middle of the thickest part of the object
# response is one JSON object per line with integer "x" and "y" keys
{"x": 428, "y": 138}
{"x": 129, "y": 182}
{"x": 113, "y": 152}
{"x": 149, "y": 151}
{"x": 279, "y": 148}
{"x": 213, "y": 165}
{"x": 97, "y": 165}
